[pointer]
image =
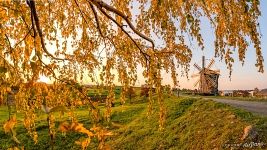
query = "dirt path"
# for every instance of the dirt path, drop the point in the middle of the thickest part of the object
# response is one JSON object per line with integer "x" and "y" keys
{"x": 254, "y": 107}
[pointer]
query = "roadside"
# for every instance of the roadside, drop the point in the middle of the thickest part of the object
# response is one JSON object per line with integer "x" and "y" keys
{"x": 251, "y": 106}
{"x": 256, "y": 99}
{"x": 257, "y": 107}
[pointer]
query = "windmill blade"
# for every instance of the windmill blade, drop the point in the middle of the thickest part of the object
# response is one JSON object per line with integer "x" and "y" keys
{"x": 211, "y": 81}
{"x": 197, "y": 66}
{"x": 217, "y": 71}
{"x": 196, "y": 83}
{"x": 194, "y": 75}
{"x": 210, "y": 64}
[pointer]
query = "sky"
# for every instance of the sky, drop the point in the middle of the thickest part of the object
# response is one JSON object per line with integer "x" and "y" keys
{"x": 243, "y": 77}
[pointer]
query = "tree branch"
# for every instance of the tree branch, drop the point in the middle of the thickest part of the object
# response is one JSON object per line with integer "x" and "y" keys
{"x": 96, "y": 19}
{"x": 22, "y": 17}
{"x": 22, "y": 39}
{"x": 80, "y": 11}
{"x": 146, "y": 56}
{"x": 31, "y": 4}
{"x": 100, "y": 4}
{"x": 10, "y": 47}
{"x": 16, "y": 71}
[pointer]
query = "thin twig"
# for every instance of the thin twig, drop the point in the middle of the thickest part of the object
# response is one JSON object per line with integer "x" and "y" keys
{"x": 22, "y": 39}
{"x": 23, "y": 19}
{"x": 10, "y": 47}
{"x": 80, "y": 11}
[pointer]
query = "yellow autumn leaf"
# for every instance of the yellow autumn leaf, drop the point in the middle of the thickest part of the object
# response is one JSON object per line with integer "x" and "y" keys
{"x": 15, "y": 139}
{"x": 64, "y": 127}
{"x": 35, "y": 137}
{"x": 13, "y": 148}
{"x": 27, "y": 123}
{"x": 79, "y": 103}
{"x": 80, "y": 128}
{"x": 73, "y": 125}
{"x": 106, "y": 147}
{"x": 84, "y": 144}
{"x": 95, "y": 128}
{"x": 9, "y": 125}
{"x": 108, "y": 133}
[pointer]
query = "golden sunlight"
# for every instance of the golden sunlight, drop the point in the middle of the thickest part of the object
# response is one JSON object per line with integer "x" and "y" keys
{"x": 43, "y": 78}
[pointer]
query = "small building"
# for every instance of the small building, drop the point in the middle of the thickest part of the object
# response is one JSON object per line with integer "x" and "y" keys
{"x": 252, "y": 93}
{"x": 227, "y": 93}
{"x": 262, "y": 93}
{"x": 241, "y": 93}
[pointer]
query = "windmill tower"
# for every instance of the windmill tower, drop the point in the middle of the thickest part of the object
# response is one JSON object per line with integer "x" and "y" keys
{"x": 208, "y": 78}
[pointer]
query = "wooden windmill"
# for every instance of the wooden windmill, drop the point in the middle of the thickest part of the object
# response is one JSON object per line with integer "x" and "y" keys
{"x": 208, "y": 78}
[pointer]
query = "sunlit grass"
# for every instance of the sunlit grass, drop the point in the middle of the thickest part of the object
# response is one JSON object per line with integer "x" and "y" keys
{"x": 191, "y": 124}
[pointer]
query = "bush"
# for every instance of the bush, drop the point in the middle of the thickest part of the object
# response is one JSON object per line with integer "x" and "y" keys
{"x": 130, "y": 93}
{"x": 144, "y": 91}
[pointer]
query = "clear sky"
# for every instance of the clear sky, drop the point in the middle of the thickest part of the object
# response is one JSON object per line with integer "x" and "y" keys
{"x": 243, "y": 77}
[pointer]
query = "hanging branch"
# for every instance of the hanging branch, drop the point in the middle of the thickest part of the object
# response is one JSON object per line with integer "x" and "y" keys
{"x": 100, "y": 4}
{"x": 22, "y": 39}
{"x": 66, "y": 81}
{"x": 80, "y": 11}
{"x": 31, "y": 4}
{"x": 9, "y": 43}
{"x": 96, "y": 19}
{"x": 146, "y": 56}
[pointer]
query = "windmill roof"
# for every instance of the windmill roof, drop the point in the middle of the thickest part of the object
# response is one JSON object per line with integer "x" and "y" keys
{"x": 211, "y": 71}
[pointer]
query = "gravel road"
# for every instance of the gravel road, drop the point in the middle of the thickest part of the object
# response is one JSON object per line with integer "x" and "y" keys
{"x": 254, "y": 107}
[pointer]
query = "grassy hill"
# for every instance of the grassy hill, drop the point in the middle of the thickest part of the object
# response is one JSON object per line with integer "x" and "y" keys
{"x": 191, "y": 124}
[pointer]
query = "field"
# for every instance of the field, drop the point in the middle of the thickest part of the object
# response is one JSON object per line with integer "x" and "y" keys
{"x": 191, "y": 123}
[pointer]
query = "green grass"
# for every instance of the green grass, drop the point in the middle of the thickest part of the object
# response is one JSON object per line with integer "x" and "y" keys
{"x": 95, "y": 91}
{"x": 190, "y": 124}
